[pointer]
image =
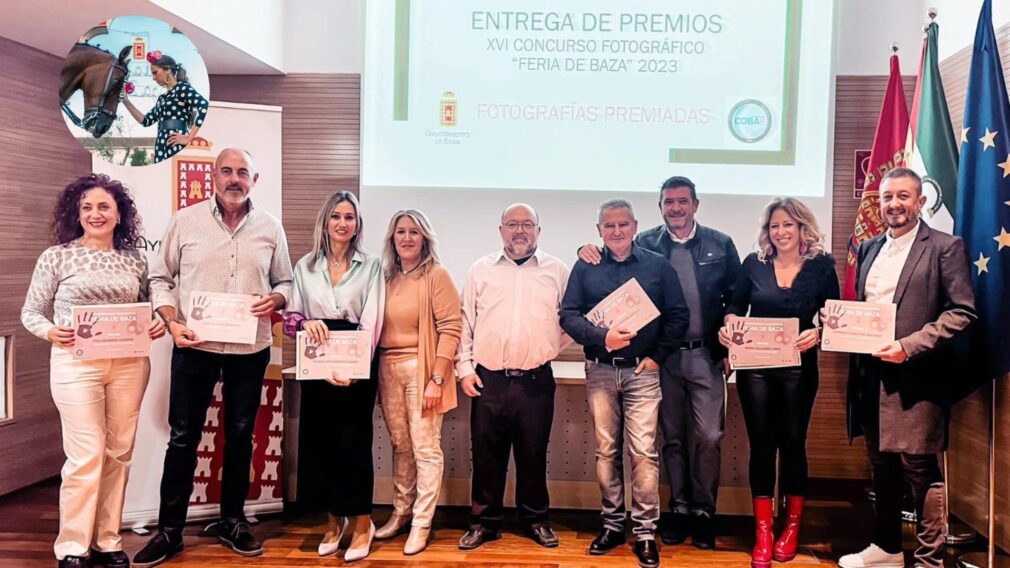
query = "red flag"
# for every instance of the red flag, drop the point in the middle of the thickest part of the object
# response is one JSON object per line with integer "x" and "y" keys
{"x": 888, "y": 153}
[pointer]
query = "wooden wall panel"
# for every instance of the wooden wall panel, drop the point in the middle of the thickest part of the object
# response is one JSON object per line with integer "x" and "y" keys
{"x": 969, "y": 444}
{"x": 39, "y": 158}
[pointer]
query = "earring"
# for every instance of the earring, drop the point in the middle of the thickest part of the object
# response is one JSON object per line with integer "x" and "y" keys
{"x": 804, "y": 247}
{"x": 769, "y": 250}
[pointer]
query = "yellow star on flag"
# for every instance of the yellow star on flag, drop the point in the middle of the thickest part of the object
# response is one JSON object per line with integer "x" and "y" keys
{"x": 989, "y": 140}
{"x": 1003, "y": 239}
{"x": 964, "y": 133}
{"x": 1006, "y": 166}
{"x": 982, "y": 263}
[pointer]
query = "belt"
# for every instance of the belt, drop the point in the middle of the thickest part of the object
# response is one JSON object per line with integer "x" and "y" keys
{"x": 620, "y": 362}
{"x": 522, "y": 373}
{"x": 696, "y": 344}
{"x": 173, "y": 124}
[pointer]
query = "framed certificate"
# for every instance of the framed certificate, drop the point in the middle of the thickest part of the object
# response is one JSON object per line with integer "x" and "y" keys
{"x": 857, "y": 327}
{"x": 111, "y": 331}
{"x": 346, "y": 352}
{"x": 225, "y": 318}
{"x": 763, "y": 343}
{"x": 628, "y": 307}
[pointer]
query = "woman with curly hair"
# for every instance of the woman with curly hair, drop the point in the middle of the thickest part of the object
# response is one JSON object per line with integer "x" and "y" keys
{"x": 179, "y": 112}
{"x": 790, "y": 276}
{"x": 94, "y": 262}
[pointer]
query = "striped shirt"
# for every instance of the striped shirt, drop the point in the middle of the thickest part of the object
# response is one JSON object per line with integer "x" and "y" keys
{"x": 202, "y": 254}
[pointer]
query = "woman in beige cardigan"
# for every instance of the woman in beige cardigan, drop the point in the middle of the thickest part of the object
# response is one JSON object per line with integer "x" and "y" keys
{"x": 420, "y": 334}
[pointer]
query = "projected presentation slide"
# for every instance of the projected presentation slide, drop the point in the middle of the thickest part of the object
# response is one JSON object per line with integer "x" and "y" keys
{"x": 594, "y": 94}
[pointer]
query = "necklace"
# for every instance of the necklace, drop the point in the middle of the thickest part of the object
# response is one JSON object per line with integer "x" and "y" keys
{"x": 405, "y": 272}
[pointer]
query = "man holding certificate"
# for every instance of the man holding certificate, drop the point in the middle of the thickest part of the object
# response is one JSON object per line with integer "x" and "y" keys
{"x": 897, "y": 395}
{"x": 692, "y": 413}
{"x": 622, "y": 368}
{"x": 232, "y": 266}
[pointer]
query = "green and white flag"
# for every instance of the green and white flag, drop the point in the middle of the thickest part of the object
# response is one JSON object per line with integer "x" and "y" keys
{"x": 931, "y": 148}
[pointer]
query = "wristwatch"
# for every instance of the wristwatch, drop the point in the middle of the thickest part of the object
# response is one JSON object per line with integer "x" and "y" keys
{"x": 437, "y": 379}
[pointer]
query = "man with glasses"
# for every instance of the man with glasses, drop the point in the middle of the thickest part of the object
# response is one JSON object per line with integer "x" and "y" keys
{"x": 622, "y": 374}
{"x": 510, "y": 335}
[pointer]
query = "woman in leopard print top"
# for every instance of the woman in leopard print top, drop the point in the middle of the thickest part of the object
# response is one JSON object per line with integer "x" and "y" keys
{"x": 94, "y": 262}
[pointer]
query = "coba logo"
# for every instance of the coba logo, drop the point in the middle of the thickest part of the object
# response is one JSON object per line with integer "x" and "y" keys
{"x": 750, "y": 121}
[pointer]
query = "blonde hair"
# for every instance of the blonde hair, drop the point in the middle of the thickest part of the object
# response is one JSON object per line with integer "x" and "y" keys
{"x": 429, "y": 252}
{"x": 320, "y": 235}
{"x": 810, "y": 232}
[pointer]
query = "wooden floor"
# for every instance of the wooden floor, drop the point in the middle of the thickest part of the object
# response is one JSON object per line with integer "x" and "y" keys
{"x": 834, "y": 525}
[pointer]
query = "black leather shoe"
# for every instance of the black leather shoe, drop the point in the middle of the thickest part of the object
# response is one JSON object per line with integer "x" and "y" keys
{"x": 159, "y": 549}
{"x": 476, "y": 536}
{"x": 542, "y": 534}
{"x": 74, "y": 562}
{"x": 114, "y": 559}
{"x": 675, "y": 531}
{"x": 239, "y": 537}
{"x": 703, "y": 534}
{"x": 606, "y": 541}
{"x": 647, "y": 553}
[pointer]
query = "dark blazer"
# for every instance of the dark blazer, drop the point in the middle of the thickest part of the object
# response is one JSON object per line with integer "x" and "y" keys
{"x": 935, "y": 303}
{"x": 716, "y": 266}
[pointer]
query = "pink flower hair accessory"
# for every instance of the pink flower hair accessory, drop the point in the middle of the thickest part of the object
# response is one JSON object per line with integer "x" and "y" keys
{"x": 153, "y": 56}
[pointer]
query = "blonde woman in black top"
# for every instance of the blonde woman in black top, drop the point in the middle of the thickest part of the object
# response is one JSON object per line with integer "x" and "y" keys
{"x": 790, "y": 276}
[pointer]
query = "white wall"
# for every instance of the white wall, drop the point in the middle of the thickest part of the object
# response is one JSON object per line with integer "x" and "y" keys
{"x": 255, "y": 27}
{"x": 958, "y": 18}
{"x": 864, "y": 30}
{"x": 324, "y": 36}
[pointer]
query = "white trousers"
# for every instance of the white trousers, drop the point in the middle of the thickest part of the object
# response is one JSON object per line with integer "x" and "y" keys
{"x": 99, "y": 402}
{"x": 417, "y": 442}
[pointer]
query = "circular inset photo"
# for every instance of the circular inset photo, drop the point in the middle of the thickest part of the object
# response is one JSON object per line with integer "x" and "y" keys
{"x": 134, "y": 90}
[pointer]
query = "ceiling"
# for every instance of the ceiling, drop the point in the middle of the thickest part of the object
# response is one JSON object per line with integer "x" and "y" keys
{"x": 54, "y": 25}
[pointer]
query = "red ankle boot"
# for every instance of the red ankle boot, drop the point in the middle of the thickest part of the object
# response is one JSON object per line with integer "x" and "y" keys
{"x": 764, "y": 538}
{"x": 785, "y": 547}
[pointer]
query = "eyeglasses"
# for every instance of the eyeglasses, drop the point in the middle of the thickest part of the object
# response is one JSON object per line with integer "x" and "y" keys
{"x": 513, "y": 226}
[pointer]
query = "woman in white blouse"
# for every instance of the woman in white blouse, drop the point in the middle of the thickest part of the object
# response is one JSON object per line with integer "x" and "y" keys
{"x": 94, "y": 262}
{"x": 338, "y": 286}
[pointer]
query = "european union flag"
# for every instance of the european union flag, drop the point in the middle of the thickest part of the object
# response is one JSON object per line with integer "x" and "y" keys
{"x": 983, "y": 203}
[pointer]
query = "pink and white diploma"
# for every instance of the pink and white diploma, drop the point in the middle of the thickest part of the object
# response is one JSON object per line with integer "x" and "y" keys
{"x": 627, "y": 307}
{"x": 346, "y": 352}
{"x": 763, "y": 343}
{"x": 226, "y": 318}
{"x": 857, "y": 327}
{"x": 111, "y": 331}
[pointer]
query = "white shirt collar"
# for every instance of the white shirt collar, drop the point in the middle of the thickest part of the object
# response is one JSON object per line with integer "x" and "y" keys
{"x": 537, "y": 256}
{"x": 904, "y": 240}
{"x": 678, "y": 240}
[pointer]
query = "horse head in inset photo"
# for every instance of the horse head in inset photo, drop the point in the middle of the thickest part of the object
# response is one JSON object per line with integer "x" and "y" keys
{"x": 101, "y": 76}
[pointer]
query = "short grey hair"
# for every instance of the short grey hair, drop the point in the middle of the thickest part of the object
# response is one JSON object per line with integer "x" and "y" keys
{"x": 614, "y": 204}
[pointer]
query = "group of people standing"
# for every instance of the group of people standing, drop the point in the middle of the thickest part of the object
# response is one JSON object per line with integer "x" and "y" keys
{"x": 518, "y": 309}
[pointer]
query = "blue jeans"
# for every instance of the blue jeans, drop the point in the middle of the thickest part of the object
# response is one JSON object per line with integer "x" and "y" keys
{"x": 626, "y": 406}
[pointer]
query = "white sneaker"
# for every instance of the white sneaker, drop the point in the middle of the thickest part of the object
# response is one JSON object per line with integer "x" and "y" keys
{"x": 872, "y": 557}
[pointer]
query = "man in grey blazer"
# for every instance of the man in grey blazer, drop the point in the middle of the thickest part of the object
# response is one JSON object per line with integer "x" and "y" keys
{"x": 898, "y": 397}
